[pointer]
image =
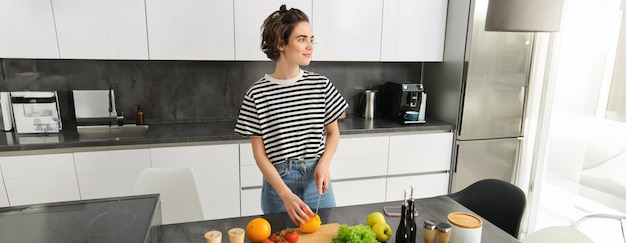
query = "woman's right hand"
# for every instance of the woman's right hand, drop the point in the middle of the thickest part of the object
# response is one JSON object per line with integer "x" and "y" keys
{"x": 296, "y": 208}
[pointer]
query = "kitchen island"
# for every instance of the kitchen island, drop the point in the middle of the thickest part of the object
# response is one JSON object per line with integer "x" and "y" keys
{"x": 118, "y": 219}
{"x": 433, "y": 208}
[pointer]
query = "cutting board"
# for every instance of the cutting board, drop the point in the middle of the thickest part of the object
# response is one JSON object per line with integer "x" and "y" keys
{"x": 324, "y": 235}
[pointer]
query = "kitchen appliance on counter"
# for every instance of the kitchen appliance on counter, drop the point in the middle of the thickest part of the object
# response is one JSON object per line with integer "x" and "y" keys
{"x": 398, "y": 98}
{"x": 36, "y": 112}
{"x": 368, "y": 104}
{"x": 6, "y": 113}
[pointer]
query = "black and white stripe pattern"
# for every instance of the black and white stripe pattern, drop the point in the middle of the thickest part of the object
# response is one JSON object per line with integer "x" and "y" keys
{"x": 290, "y": 117}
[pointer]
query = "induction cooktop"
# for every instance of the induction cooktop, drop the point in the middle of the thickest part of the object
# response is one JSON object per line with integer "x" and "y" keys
{"x": 120, "y": 219}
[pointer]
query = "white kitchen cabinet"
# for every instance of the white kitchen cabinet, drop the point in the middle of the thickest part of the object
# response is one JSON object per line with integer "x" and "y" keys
{"x": 113, "y": 173}
{"x": 419, "y": 153}
{"x": 249, "y": 16}
{"x": 251, "y": 176}
{"x": 428, "y": 185}
{"x": 190, "y": 29}
{"x": 216, "y": 168}
{"x": 27, "y": 29}
{"x": 347, "y": 30}
{"x": 360, "y": 157}
{"x": 4, "y": 199}
{"x": 251, "y": 202}
{"x": 31, "y": 179}
{"x": 359, "y": 169}
{"x": 413, "y": 30}
{"x": 359, "y": 191}
{"x": 92, "y": 29}
{"x": 251, "y": 180}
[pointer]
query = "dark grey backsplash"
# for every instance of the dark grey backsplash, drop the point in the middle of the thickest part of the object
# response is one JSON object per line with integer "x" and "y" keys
{"x": 184, "y": 91}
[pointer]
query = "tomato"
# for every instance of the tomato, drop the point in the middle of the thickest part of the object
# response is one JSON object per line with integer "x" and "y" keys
{"x": 275, "y": 237}
{"x": 290, "y": 235}
{"x": 267, "y": 241}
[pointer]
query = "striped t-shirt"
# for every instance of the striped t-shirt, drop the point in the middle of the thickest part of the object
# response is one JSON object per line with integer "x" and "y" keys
{"x": 290, "y": 115}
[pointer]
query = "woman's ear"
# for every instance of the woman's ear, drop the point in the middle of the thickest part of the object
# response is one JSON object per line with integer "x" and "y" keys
{"x": 281, "y": 48}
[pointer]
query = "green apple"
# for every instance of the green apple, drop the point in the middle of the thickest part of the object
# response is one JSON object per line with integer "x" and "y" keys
{"x": 374, "y": 218}
{"x": 382, "y": 231}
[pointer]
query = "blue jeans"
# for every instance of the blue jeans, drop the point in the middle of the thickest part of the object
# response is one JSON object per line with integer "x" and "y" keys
{"x": 298, "y": 175}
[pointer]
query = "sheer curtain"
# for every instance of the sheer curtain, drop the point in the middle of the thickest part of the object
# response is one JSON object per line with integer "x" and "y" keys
{"x": 580, "y": 163}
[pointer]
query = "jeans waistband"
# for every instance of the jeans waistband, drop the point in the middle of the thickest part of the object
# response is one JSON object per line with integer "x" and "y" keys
{"x": 292, "y": 162}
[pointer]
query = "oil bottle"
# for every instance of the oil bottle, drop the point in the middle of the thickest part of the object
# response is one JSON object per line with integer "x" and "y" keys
{"x": 139, "y": 116}
{"x": 402, "y": 233}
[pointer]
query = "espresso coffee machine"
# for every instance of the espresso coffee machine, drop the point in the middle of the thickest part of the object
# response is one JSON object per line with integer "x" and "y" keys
{"x": 400, "y": 98}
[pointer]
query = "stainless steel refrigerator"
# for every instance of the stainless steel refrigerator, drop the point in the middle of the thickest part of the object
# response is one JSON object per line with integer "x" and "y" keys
{"x": 481, "y": 87}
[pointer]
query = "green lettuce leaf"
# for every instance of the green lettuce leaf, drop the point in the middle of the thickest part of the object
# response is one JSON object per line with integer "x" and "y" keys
{"x": 355, "y": 234}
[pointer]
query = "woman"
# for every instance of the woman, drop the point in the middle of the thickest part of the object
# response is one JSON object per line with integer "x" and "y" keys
{"x": 290, "y": 117}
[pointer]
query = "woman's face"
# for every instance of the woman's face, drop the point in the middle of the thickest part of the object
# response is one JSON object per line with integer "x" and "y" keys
{"x": 300, "y": 47}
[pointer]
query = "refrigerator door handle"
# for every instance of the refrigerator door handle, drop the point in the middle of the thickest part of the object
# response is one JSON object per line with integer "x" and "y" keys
{"x": 518, "y": 157}
{"x": 456, "y": 158}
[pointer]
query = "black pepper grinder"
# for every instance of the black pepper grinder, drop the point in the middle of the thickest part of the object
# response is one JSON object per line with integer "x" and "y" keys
{"x": 139, "y": 116}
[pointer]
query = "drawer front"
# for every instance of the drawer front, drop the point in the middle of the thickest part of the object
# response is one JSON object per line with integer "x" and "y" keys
{"x": 348, "y": 168}
{"x": 419, "y": 153}
{"x": 251, "y": 176}
{"x": 42, "y": 190}
{"x": 35, "y": 166}
{"x": 360, "y": 157}
{"x": 359, "y": 191}
{"x": 246, "y": 157}
{"x": 362, "y": 147}
{"x": 430, "y": 185}
{"x": 251, "y": 202}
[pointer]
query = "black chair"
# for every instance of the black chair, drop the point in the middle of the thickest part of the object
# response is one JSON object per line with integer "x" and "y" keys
{"x": 497, "y": 201}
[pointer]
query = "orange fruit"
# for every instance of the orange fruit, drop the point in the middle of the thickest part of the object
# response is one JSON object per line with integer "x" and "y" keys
{"x": 313, "y": 225}
{"x": 258, "y": 229}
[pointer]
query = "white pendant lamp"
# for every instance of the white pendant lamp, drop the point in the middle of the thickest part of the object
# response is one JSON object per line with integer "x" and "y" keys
{"x": 524, "y": 15}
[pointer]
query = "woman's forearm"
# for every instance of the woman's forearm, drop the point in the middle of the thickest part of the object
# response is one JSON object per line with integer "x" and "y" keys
{"x": 266, "y": 167}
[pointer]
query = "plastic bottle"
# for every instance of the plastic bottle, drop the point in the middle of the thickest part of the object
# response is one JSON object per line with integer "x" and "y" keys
{"x": 402, "y": 235}
{"x": 139, "y": 116}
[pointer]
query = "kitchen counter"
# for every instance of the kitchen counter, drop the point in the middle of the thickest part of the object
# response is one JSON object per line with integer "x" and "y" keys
{"x": 435, "y": 208}
{"x": 119, "y": 219}
{"x": 198, "y": 132}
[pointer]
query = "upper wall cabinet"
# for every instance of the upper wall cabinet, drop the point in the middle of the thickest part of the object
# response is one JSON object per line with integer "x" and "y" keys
{"x": 249, "y": 16}
{"x": 414, "y": 30}
{"x": 347, "y": 30}
{"x": 190, "y": 29}
{"x": 93, "y": 29}
{"x": 27, "y": 29}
